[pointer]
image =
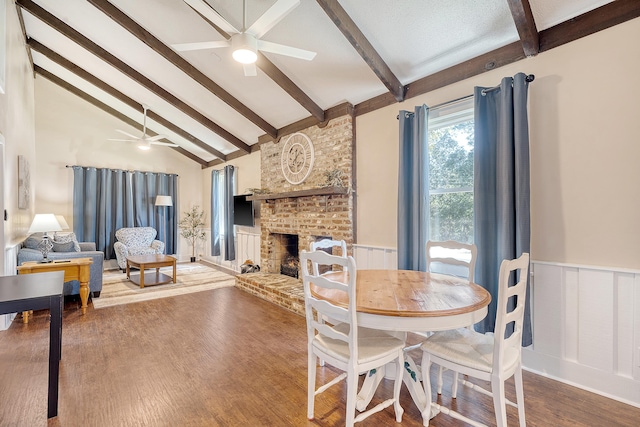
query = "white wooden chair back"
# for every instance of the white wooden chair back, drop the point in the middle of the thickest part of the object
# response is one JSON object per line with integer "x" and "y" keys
{"x": 329, "y": 244}
{"x": 456, "y": 258}
{"x": 336, "y": 342}
{"x": 316, "y": 308}
{"x": 509, "y": 320}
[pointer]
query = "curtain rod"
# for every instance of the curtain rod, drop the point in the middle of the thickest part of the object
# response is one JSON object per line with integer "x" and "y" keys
{"x": 529, "y": 79}
{"x": 124, "y": 170}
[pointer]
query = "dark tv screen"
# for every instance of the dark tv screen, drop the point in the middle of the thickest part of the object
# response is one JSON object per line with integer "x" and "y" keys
{"x": 243, "y": 210}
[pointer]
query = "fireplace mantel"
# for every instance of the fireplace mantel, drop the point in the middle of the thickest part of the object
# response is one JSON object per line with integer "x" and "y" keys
{"x": 322, "y": 191}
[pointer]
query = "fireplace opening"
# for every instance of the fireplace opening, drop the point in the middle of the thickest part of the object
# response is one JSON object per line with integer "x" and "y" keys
{"x": 285, "y": 254}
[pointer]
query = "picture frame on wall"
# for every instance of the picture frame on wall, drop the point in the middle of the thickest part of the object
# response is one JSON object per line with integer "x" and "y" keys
{"x": 24, "y": 183}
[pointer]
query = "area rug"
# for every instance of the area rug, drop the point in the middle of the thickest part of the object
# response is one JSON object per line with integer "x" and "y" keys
{"x": 117, "y": 289}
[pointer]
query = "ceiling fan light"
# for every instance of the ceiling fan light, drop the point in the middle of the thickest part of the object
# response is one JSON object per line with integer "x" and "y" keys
{"x": 144, "y": 146}
{"x": 245, "y": 48}
{"x": 245, "y": 56}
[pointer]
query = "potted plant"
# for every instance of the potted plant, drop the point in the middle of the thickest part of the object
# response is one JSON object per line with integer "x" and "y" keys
{"x": 191, "y": 228}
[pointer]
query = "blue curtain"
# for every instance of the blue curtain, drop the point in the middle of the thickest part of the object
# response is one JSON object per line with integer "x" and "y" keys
{"x": 501, "y": 186}
{"x": 105, "y": 200}
{"x": 216, "y": 212}
{"x": 413, "y": 190}
{"x": 222, "y": 191}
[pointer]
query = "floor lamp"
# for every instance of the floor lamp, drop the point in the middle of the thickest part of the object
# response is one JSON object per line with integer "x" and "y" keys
{"x": 162, "y": 202}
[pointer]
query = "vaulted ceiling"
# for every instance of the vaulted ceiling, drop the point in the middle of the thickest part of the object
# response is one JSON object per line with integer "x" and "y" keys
{"x": 120, "y": 55}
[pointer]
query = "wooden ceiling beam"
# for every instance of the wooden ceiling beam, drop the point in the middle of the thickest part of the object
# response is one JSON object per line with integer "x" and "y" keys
{"x": 526, "y": 26}
{"x": 109, "y": 110}
{"x": 80, "y": 72}
{"x": 606, "y": 16}
{"x": 290, "y": 87}
{"x": 334, "y": 112}
{"x": 170, "y": 55}
{"x": 364, "y": 48}
{"x": 110, "y": 59}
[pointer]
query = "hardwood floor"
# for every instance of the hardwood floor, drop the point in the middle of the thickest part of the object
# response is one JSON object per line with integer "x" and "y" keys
{"x": 222, "y": 358}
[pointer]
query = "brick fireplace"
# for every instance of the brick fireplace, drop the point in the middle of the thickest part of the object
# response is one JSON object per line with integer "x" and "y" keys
{"x": 293, "y": 210}
{"x": 311, "y": 210}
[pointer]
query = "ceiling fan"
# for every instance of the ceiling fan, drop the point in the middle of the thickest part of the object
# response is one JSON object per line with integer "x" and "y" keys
{"x": 246, "y": 43}
{"x": 144, "y": 142}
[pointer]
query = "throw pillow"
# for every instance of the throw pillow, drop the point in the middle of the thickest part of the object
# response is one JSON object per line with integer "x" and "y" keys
{"x": 33, "y": 241}
{"x": 66, "y": 238}
{"x": 63, "y": 247}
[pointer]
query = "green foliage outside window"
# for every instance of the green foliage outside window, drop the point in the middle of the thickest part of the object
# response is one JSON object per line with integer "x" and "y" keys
{"x": 451, "y": 182}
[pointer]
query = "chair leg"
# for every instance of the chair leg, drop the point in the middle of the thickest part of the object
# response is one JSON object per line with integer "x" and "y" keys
{"x": 352, "y": 390}
{"x": 426, "y": 382}
{"x": 520, "y": 396}
{"x": 454, "y": 386}
{"x": 396, "y": 387}
{"x": 499, "y": 401}
{"x": 311, "y": 383}
{"x": 440, "y": 371}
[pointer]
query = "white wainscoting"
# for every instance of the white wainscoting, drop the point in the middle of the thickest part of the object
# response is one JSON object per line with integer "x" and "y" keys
{"x": 10, "y": 269}
{"x": 247, "y": 248}
{"x": 586, "y": 328}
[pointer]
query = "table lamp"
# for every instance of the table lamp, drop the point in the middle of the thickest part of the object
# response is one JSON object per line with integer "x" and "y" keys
{"x": 43, "y": 223}
{"x": 164, "y": 201}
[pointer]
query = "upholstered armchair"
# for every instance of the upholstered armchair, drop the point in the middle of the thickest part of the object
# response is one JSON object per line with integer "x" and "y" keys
{"x": 136, "y": 241}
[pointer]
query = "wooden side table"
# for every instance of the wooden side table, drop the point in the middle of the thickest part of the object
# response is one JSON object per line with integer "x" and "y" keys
{"x": 74, "y": 269}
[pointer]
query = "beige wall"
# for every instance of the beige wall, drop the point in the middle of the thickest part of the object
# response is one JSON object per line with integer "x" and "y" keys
{"x": 71, "y": 131}
{"x": 585, "y": 146}
{"x": 16, "y": 126}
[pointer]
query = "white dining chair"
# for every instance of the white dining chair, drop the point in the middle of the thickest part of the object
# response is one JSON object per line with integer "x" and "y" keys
{"x": 344, "y": 345}
{"x": 327, "y": 245}
{"x": 454, "y": 258}
{"x": 490, "y": 357}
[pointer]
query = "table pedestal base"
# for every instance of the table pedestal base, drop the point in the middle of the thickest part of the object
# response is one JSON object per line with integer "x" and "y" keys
{"x": 411, "y": 378}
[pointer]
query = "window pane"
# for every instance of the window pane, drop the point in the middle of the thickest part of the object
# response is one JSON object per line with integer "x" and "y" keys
{"x": 451, "y": 173}
{"x": 452, "y": 217}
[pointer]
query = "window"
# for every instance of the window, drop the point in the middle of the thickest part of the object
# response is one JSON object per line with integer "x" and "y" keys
{"x": 451, "y": 171}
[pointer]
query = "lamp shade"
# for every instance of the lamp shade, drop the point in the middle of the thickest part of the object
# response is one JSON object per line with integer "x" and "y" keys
{"x": 164, "y": 201}
{"x": 62, "y": 222}
{"x": 43, "y": 223}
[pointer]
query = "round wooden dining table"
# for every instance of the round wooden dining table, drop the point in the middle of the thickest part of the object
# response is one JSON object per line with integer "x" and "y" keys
{"x": 409, "y": 301}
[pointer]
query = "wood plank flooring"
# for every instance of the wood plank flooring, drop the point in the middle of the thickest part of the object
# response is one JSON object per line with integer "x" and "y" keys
{"x": 222, "y": 358}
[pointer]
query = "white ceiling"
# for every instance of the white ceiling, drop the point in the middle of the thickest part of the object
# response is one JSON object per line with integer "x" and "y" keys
{"x": 415, "y": 38}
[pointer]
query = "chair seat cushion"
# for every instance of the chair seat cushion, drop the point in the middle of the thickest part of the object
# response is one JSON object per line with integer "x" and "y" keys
{"x": 371, "y": 345}
{"x": 142, "y": 250}
{"x": 467, "y": 347}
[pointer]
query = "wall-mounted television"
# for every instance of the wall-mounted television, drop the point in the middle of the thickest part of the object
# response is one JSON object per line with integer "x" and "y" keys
{"x": 243, "y": 213}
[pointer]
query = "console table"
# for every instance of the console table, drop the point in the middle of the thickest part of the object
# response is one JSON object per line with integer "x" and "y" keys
{"x": 38, "y": 292}
{"x": 74, "y": 269}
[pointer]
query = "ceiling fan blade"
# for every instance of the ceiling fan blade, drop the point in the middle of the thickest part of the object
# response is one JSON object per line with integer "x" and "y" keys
{"x": 281, "y": 49}
{"x": 122, "y": 140}
{"x": 184, "y": 47}
{"x": 272, "y": 16}
{"x": 208, "y": 12}
{"x": 155, "y": 138}
{"x": 165, "y": 144}
{"x": 128, "y": 134}
{"x": 250, "y": 70}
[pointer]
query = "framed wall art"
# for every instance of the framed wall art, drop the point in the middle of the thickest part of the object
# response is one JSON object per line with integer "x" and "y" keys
{"x": 24, "y": 183}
